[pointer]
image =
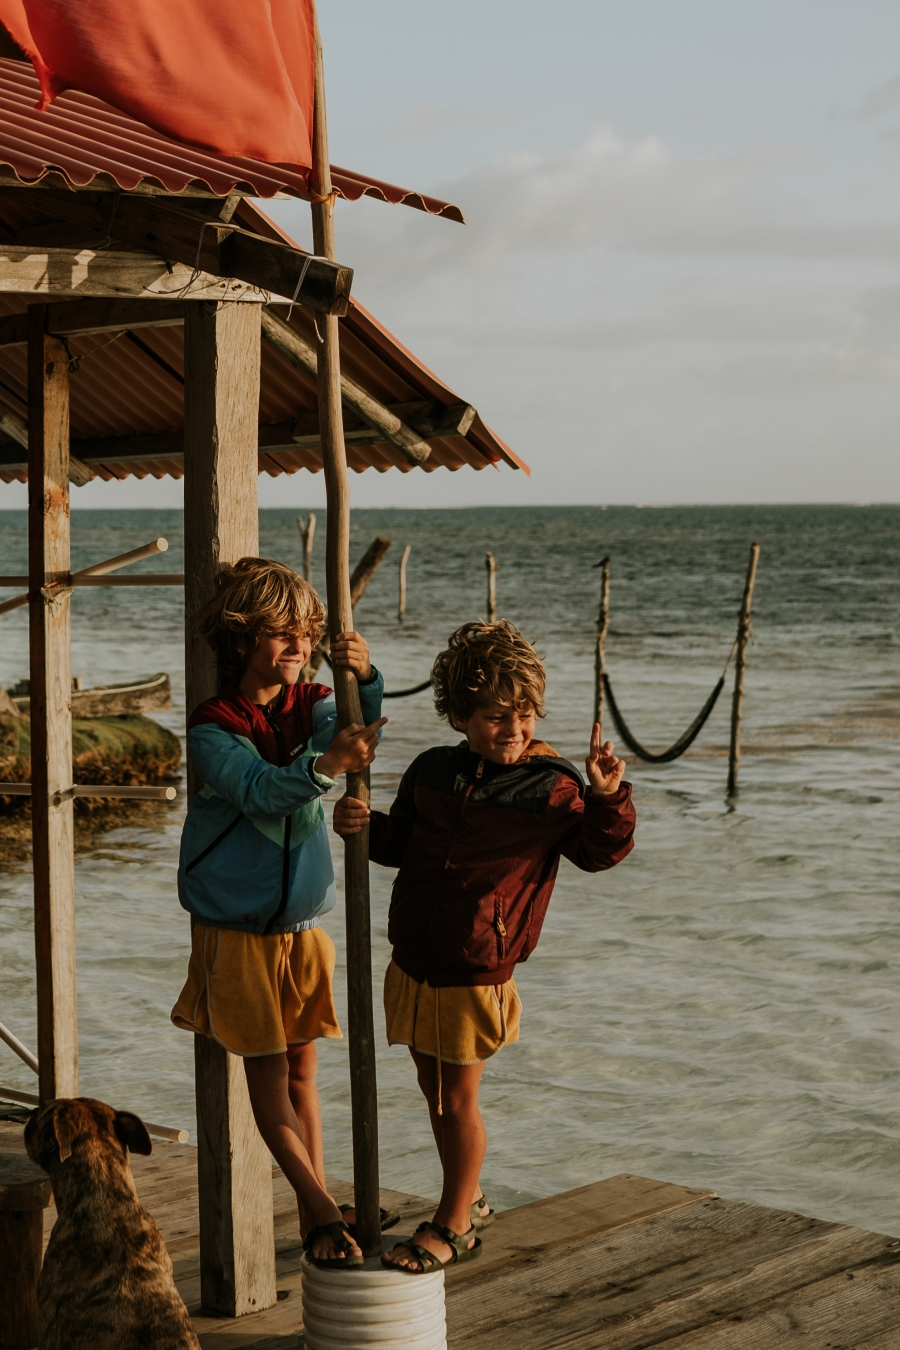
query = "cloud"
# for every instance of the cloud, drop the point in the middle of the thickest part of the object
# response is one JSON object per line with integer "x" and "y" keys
{"x": 883, "y": 99}
{"x": 603, "y": 192}
{"x": 605, "y": 196}
{"x": 656, "y": 313}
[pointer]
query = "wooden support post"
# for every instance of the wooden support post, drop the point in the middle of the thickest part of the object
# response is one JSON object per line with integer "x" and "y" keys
{"x": 360, "y": 1019}
{"x": 307, "y": 534}
{"x": 600, "y": 649}
{"x": 221, "y": 412}
{"x": 740, "y": 666}
{"x": 24, "y": 1195}
{"x": 51, "y": 718}
{"x": 401, "y": 599}
{"x": 491, "y": 567}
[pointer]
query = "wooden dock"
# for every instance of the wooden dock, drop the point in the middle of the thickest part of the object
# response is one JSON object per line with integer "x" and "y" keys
{"x": 624, "y": 1264}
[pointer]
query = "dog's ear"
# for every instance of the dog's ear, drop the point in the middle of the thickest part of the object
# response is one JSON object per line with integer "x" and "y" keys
{"x": 65, "y": 1129}
{"x": 132, "y": 1132}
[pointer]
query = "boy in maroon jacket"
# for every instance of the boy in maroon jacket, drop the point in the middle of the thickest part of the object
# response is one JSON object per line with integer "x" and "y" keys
{"x": 477, "y": 831}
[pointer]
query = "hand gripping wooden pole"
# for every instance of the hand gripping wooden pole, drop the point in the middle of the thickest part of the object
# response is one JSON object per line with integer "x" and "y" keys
{"x": 361, "y": 1029}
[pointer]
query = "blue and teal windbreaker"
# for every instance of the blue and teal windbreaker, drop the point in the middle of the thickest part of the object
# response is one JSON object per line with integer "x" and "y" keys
{"x": 254, "y": 850}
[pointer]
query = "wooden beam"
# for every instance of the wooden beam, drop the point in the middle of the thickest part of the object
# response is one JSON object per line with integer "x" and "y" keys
{"x": 431, "y": 419}
{"x": 51, "y": 720}
{"x": 77, "y": 318}
{"x": 426, "y": 418}
{"x": 305, "y": 356}
{"x": 176, "y": 232}
{"x": 85, "y": 271}
{"x": 14, "y": 425}
{"x": 221, "y": 350}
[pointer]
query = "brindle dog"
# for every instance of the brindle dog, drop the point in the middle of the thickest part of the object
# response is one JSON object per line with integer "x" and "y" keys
{"x": 107, "y": 1279}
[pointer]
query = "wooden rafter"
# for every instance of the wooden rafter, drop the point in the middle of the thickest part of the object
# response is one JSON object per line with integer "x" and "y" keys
{"x": 105, "y": 272}
{"x": 198, "y": 238}
{"x": 429, "y": 419}
{"x": 77, "y": 318}
{"x": 306, "y": 357}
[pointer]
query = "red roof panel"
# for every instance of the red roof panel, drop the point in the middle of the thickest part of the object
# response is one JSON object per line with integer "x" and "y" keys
{"x": 88, "y": 142}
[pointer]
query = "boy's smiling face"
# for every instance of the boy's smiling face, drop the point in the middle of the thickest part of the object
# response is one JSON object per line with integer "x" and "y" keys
{"x": 498, "y": 732}
{"x": 277, "y": 660}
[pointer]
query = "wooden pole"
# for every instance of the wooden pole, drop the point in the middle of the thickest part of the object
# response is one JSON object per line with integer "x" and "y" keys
{"x": 361, "y": 1028}
{"x": 491, "y": 567}
{"x": 740, "y": 666}
{"x": 24, "y": 1195}
{"x": 221, "y": 415}
{"x": 51, "y": 719}
{"x": 307, "y": 534}
{"x": 600, "y": 649}
{"x": 401, "y": 599}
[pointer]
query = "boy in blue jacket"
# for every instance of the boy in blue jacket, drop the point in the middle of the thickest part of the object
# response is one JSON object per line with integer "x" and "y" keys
{"x": 255, "y": 870}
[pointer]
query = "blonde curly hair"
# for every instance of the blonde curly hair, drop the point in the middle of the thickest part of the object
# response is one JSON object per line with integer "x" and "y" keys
{"x": 487, "y": 662}
{"x": 255, "y": 596}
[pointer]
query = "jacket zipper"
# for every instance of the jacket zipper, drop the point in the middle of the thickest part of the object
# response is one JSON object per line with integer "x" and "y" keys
{"x": 462, "y": 810}
{"x": 286, "y": 851}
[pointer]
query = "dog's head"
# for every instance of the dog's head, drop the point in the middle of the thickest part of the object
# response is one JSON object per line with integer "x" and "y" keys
{"x": 67, "y": 1126}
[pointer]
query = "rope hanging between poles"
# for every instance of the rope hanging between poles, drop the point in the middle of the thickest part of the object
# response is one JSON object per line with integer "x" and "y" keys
{"x": 684, "y": 741}
{"x": 390, "y": 693}
{"x": 404, "y": 693}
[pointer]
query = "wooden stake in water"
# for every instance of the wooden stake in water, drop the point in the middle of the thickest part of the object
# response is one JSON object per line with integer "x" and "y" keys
{"x": 491, "y": 567}
{"x": 360, "y": 1018}
{"x": 737, "y": 702}
{"x": 401, "y": 599}
{"x": 307, "y": 534}
{"x": 600, "y": 648}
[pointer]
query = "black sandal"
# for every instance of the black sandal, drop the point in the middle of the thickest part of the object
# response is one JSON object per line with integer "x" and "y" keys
{"x": 388, "y": 1218}
{"x": 481, "y": 1221}
{"x": 428, "y": 1262}
{"x": 337, "y": 1231}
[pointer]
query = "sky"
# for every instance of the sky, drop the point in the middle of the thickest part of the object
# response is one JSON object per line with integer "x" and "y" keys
{"x": 679, "y": 280}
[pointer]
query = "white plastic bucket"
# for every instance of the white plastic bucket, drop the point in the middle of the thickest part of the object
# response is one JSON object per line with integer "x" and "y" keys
{"x": 372, "y": 1307}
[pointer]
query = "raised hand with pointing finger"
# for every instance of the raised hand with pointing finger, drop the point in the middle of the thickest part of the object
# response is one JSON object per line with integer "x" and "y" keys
{"x": 604, "y": 769}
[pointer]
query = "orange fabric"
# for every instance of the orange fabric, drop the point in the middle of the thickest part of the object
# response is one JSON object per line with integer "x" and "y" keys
{"x": 232, "y": 76}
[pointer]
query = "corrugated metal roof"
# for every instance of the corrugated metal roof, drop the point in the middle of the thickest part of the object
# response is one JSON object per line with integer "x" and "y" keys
{"x": 84, "y": 141}
{"x": 131, "y": 384}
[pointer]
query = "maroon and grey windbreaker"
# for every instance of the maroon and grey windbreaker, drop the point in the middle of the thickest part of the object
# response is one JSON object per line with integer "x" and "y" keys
{"x": 478, "y": 847}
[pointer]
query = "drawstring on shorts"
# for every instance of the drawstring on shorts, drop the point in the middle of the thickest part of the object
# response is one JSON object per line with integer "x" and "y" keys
{"x": 437, "y": 1038}
{"x": 285, "y": 957}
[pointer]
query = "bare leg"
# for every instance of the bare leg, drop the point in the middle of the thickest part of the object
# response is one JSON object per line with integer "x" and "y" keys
{"x": 426, "y": 1073}
{"x": 270, "y": 1097}
{"x": 461, "y": 1143}
{"x": 304, "y": 1094}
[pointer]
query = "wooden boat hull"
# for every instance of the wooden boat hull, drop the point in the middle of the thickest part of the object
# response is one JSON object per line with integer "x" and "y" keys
{"x": 150, "y": 694}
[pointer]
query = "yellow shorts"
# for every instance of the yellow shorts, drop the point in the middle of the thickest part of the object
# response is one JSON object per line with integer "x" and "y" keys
{"x": 256, "y": 994}
{"x": 458, "y": 1024}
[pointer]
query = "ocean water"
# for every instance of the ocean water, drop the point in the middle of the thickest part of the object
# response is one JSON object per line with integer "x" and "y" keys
{"x": 722, "y": 1009}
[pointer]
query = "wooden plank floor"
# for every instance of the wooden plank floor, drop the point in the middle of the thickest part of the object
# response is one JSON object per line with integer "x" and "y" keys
{"x": 624, "y": 1264}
